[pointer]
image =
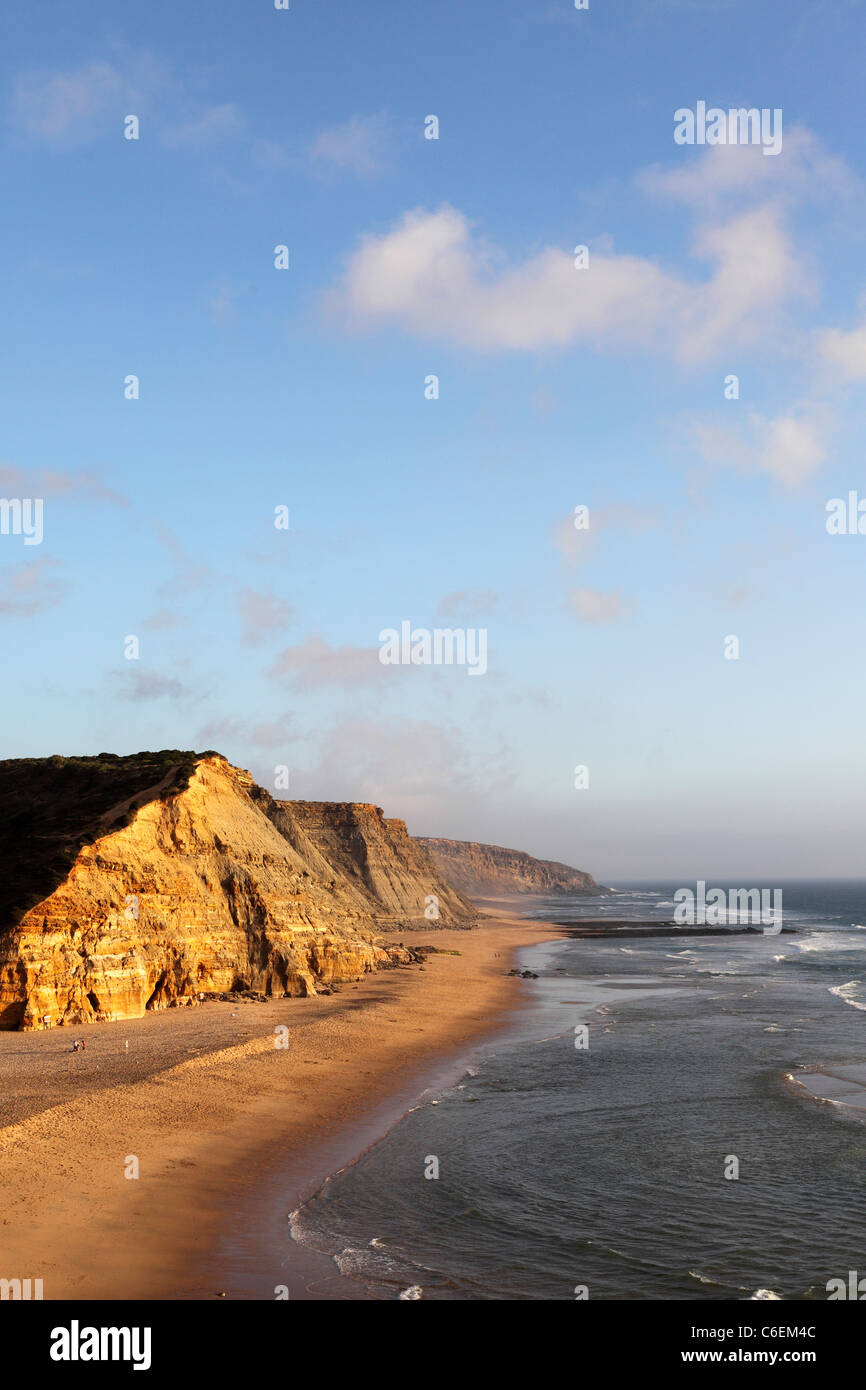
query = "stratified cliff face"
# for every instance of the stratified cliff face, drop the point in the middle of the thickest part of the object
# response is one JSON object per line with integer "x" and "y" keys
{"x": 393, "y": 876}
{"x": 489, "y": 871}
{"x": 194, "y": 879}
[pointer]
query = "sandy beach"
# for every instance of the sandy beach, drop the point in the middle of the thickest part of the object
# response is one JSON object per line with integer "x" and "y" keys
{"x": 227, "y": 1129}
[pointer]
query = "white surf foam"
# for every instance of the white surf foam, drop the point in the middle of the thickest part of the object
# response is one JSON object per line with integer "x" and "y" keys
{"x": 847, "y": 993}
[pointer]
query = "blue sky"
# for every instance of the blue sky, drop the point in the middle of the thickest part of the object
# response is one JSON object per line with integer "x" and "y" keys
{"x": 558, "y": 387}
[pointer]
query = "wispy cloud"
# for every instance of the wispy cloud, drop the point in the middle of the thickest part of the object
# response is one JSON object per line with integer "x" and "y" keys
{"x": 160, "y": 621}
{"x": 359, "y": 146}
{"x": 313, "y": 664}
{"x": 139, "y": 686}
{"x": 575, "y": 544}
{"x": 74, "y": 106}
{"x": 30, "y": 588}
{"x": 48, "y": 482}
{"x": 593, "y": 606}
{"x": 274, "y": 733}
{"x": 209, "y": 123}
{"x": 466, "y": 603}
{"x": 411, "y": 767}
{"x": 67, "y": 107}
{"x": 738, "y": 596}
{"x": 189, "y": 574}
{"x": 263, "y": 615}
{"x": 222, "y": 302}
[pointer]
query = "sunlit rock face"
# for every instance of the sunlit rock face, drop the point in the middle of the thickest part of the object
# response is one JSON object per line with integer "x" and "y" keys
{"x": 195, "y": 882}
{"x": 394, "y": 875}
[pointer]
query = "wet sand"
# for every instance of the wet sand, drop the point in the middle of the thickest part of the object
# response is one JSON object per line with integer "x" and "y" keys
{"x": 838, "y": 1085}
{"x": 229, "y": 1130}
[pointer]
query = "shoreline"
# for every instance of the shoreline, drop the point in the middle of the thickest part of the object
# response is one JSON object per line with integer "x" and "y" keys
{"x": 841, "y": 1085}
{"x": 230, "y": 1139}
{"x": 247, "y": 1245}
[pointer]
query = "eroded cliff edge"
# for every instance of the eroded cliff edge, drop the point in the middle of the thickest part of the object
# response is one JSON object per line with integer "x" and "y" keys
{"x": 393, "y": 874}
{"x": 489, "y": 871}
{"x": 135, "y": 883}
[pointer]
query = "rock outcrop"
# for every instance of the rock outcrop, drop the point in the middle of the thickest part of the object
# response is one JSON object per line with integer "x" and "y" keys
{"x": 138, "y": 883}
{"x": 393, "y": 876}
{"x": 489, "y": 871}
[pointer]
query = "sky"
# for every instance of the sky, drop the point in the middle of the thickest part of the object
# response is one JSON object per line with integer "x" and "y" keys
{"x": 170, "y": 392}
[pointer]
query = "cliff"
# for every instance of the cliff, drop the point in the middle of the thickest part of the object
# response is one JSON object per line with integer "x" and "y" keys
{"x": 136, "y": 883}
{"x": 393, "y": 876}
{"x": 489, "y": 871}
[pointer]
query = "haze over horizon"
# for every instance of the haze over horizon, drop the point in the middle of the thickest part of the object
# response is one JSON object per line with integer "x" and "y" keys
{"x": 261, "y": 388}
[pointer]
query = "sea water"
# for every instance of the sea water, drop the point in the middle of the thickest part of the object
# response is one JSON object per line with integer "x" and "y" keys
{"x": 667, "y": 1152}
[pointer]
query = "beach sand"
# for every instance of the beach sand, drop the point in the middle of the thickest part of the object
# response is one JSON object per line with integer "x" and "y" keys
{"x": 229, "y": 1131}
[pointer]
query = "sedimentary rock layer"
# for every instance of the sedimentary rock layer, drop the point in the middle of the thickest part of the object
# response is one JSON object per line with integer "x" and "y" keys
{"x": 161, "y": 876}
{"x": 393, "y": 875}
{"x": 481, "y": 871}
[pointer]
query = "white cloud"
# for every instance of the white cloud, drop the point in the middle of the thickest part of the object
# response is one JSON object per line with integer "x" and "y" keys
{"x": 790, "y": 448}
{"x": 433, "y": 277}
{"x": 755, "y": 272}
{"x": 845, "y": 352}
{"x": 804, "y": 170}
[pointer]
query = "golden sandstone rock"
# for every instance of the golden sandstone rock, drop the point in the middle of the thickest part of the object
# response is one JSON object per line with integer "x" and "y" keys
{"x": 198, "y": 883}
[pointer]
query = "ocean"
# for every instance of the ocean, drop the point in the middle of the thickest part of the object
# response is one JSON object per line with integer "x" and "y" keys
{"x": 686, "y": 1151}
